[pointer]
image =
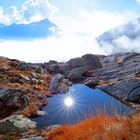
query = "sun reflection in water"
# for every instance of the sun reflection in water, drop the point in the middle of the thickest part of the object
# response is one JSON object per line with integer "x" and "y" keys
{"x": 68, "y": 101}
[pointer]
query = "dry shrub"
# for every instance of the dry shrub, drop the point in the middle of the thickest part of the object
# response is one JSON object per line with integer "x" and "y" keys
{"x": 102, "y": 127}
{"x": 137, "y": 75}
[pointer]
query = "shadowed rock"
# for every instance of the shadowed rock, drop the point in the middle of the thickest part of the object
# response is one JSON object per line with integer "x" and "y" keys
{"x": 81, "y": 65}
{"x": 9, "y": 100}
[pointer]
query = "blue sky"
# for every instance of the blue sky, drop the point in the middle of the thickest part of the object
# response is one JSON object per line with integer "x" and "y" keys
{"x": 72, "y": 7}
{"x": 66, "y": 4}
{"x": 80, "y": 21}
{"x": 69, "y": 7}
{"x": 6, "y": 3}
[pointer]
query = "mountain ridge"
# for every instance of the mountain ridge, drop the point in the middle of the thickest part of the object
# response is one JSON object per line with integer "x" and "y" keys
{"x": 41, "y": 29}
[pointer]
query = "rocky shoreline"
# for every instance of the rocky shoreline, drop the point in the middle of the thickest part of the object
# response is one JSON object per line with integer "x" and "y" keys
{"x": 118, "y": 75}
{"x": 25, "y": 87}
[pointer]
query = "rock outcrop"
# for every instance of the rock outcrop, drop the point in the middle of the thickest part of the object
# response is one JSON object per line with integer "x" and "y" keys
{"x": 16, "y": 124}
{"x": 82, "y": 64}
{"x": 12, "y": 100}
{"x": 128, "y": 89}
{"x": 24, "y": 87}
{"x": 119, "y": 76}
{"x": 110, "y": 73}
{"x": 116, "y": 74}
{"x": 75, "y": 68}
{"x": 59, "y": 84}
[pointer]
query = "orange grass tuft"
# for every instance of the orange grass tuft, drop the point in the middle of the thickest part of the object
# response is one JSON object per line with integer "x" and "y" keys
{"x": 102, "y": 127}
{"x": 137, "y": 75}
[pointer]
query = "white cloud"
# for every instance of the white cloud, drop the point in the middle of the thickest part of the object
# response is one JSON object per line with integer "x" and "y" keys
{"x": 31, "y": 11}
{"x": 93, "y": 22}
{"x": 122, "y": 44}
{"x": 60, "y": 48}
{"x": 12, "y": 10}
{"x": 35, "y": 10}
{"x": 125, "y": 43}
{"x": 138, "y": 1}
{"x": 1, "y": 10}
{"x": 77, "y": 37}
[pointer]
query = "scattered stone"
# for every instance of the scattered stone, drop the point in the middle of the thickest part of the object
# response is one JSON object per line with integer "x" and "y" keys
{"x": 2, "y": 79}
{"x": 34, "y": 81}
{"x": 91, "y": 82}
{"x": 54, "y": 84}
{"x": 88, "y": 60}
{"x": 33, "y": 137}
{"x": 4, "y": 69}
{"x": 23, "y": 66}
{"x": 62, "y": 88}
{"x": 52, "y": 68}
{"x": 51, "y": 62}
{"x": 19, "y": 79}
{"x": 41, "y": 113}
{"x": 9, "y": 100}
{"x": 49, "y": 128}
{"x": 63, "y": 68}
{"x": 26, "y": 100}
{"x": 15, "y": 79}
{"x": 40, "y": 70}
{"x": 24, "y": 78}
{"x": 16, "y": 124}
{"x": 67, "y": 82}
{"x": 92, "y": 61}
{"x": 59, "y": 84}
{"x": 76, "y": 73}
{"x": 33, "y": 75}
{"x": 9, "y": 97}
{"x": 77, "y": 67}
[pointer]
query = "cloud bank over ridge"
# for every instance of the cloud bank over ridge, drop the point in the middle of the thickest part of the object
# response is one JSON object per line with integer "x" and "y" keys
{"x": 77, "y": 36}
{"x": 125, "y": 38}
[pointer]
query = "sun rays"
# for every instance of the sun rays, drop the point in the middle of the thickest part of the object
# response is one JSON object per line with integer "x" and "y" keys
{"x": 68, "y": 101}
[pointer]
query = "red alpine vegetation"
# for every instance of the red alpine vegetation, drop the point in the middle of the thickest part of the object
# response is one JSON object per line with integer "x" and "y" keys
{"x": 102, "y": 127}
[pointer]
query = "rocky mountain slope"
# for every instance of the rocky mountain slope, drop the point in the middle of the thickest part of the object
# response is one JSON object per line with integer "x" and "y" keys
{"x": 25, "y": 87}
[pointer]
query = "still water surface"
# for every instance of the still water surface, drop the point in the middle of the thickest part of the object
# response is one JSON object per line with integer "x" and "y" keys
{"x": 87, "y": 102}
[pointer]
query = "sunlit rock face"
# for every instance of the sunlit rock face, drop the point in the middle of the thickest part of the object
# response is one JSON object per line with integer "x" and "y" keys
{"x": 16, "y": 124}
{"x": 120, "y": 76}
{"x": 41, "y": 29}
